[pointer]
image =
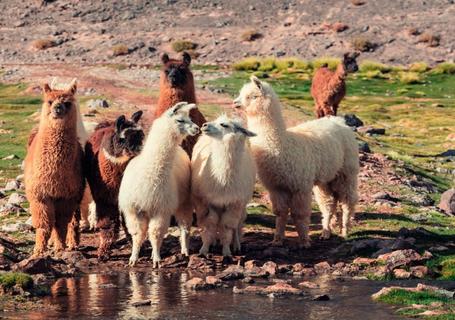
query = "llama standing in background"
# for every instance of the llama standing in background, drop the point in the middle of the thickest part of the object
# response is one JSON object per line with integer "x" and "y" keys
{"x": 291, "y": 161}
{"x": 107, "y": 153}
{"x": 54, "y": 178}
{"x": 222, "y": 182}
{"x": 177, "y": 85}
{"x": 156, "y": 184}
{"x": 329, "y": 88}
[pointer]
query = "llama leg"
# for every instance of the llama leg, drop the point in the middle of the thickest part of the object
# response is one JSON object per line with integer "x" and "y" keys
{"x": 237, "y": 246}
{"x": 86, "y": 199}
{"x": 301, "y": 215}
{"x": 108, "y": 225}
{"x": 43, "y": 220}
{"x": 137, "y": 226}
{"x": 64, "y": 213}
{"x": 158, "y": 227}
{"x": 281, "y": 210}
{"x": 184, "y": 217}
{"x": 209, "y": 229}
{"x": 348, "y": 203}
{"x": 327, "y": 205}
{"x": 73, "y": 235}
{"x": 226, "y": 240}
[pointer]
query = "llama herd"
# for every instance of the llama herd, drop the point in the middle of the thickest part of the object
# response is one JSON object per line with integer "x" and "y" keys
{"x": 185, "y": 166}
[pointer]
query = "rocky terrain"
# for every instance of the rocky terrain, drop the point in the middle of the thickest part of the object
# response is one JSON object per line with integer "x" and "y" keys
{"x": 220, "y": 32}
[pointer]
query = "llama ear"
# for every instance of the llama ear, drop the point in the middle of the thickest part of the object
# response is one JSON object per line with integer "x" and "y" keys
{"x": 244, "y": 131}
{"x": 355, "y": 54}
{"x": 72, "y": 87}
{"x": 174, "y": 109}
{"x": 255, "y": 80}
{"x": 137, "y": 116}
{"x": 119, "y": 123}
{"x": 186, "y": 58}
{"x": 46, "y": 88}
{"x": 164, "y": 58}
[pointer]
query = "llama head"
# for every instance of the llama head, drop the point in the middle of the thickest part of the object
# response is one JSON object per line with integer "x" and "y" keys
{"x": 179, "y": 116}
{"x": 176, "y": 72}
{"x": 255, "y": 97}
{"x": 349, "y": 62}
{"x": 126, "y": 140}
{"x": 225, "y": 128}
{"x": 59, "y": 106}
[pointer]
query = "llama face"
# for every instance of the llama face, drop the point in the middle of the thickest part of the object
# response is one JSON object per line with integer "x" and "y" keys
{"x": 350, "y": 63}
{"x": 225, "y": 127}
{"x": 127, "y": 138}
{"x": 176, "y": 72}
{"x": 253, "y": 97}
{"x": 59, "y": 105}
{"x": 180, "y": 116}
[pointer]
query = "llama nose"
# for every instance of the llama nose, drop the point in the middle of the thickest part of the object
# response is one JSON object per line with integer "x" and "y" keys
{"x": 205, "y": 126}
{"x": 59, "y": 109}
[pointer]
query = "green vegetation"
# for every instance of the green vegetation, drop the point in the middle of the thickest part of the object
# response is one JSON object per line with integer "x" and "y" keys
{"x": 416, "y": 302}
{"x": 183, "y": 45}
{"x": 120, "y": 50}
{"x": 444, "y": 265}
{"x": 11, "y": 279}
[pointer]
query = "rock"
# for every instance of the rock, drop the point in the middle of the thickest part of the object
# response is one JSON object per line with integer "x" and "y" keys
{"x": 198, "y": 262}
{"x": 438, "y": 248}
{"x": 422, "y": 200}
{"x": 10, "y": 157}
{"x": 364, "y": 245}
{"x": 382, "y": 272}
{"x": 277, "y": 289}
{"x": 270, "y": 267}
{"x": 299, "y": 269}
{"x": 213, "y": 281}
{"x": 364, "y": 261}
{"x": 257, "y": 272}
{"x": 308, "y": 284}
{"x": 141, "y": 303}
{"x": 284, "y": 268}
{"x": 175, "y": 261}
{"x": 36, "y": 265}
{"x": 400, "y": 258}
{"x": 12, "y": 185}
{"x": 250, "y": 264}
{"x": 97, "y": 103}
{"x": 248, "y": 280}
{"x": 364, "y": 147}
{"x": 20, "y": 177}
{"x": 10, "y": 208}
{"x": 447, "y": 153}
{"x": 352, "y": 120}
{"x": 2, "y": 195}
{"x": 322, "y": 267}
{"x": 72, "y": 257}
{"x": 16, "y": 199}
{"x": 384, "y": 196}
{"x": 322, "y": 297}
{"x": 233, "y": 272}
{"x": 15, "y": 227}
{"x": 198, "y": 284}
{"x": 401, "y": 274}
{"x": 419, "y": 271}
{"x": 447, "y": 203}
{"x": 369, "y": 130}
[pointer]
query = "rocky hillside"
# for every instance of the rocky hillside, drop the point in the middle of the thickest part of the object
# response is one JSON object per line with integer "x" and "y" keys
{"x": 391, "y": 31}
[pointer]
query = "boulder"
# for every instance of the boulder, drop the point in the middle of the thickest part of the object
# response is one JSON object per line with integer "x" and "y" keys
{"x": 12, "y": 185}
{"x": 352, "y": 120}
{"x": 233, "y": 272}
{"x": 447, "y": 203}
{"x": 270, "y": 267}
{"x": 15, "y": 227}
{"x": 322, "y": 267}
{"x": 277, "y": 289}
{"x": 10, "y": 208}
{"x": 401, "y": 274}
{"x": 36, "y": 265}
{"x": 198, "y": 284}
{"x": 400, "y": 258}
{"x": 309, "y": 285}
{"x": 16, "y": 199}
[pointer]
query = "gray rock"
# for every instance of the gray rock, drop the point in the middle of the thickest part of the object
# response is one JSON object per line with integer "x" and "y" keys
{"x": 352, "y": 120}
{"x": 97, "y": 103}
{"x": 10, "y": 208}
{"x": 12, "y": 185}
{"x": 369, "y": 130}
{"x": 447, "y": 203}
{"x": 364, "y": 147}
{"x": 16, "y": 199}
{"x": 15, "y": 227}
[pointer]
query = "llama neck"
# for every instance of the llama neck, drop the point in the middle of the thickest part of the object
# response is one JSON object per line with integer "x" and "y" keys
{"x": 340, "y": 73}
{"x": 225, "y": 157}
{"x": 169, "y": 96}
{"x": 160, "y": 149}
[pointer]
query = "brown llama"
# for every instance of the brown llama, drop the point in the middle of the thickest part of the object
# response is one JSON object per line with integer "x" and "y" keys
{"x": 177, "y": 85}
{"x": 329, "y": 88}
{"x": 54, "y": 177}
{"x": 107, "y": 153}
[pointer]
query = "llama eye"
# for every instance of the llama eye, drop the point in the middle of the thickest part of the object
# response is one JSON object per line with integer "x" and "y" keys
{"x": 224, "y": 125}
{"x": 180, "y": 121}
{"x": 50, "y": 102}
{"x": 67, "y": 104}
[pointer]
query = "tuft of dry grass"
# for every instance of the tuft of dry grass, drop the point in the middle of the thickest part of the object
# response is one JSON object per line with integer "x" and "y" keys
{"x": 43, "y": 44}
{"x": 358, "y": 2}
{"x": 432, "y": 40}
{"x": 410, "y": 77}
{"x": 419, "y": 67}
{"x": 183, "y": 45}
{"x": 250, "y": 35}
{"x": 120, "y": 50}
{"x": 363, "y": 44}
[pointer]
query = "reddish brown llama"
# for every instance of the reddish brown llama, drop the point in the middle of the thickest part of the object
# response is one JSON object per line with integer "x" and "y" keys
{"x": 329, "y": 88}
{"x": 54, "y": 178}
{"x": 107, "y": 153}
{"x": 177, "y": 85}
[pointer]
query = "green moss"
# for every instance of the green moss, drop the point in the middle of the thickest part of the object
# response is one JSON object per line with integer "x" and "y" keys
{"x": 11, "y": 279}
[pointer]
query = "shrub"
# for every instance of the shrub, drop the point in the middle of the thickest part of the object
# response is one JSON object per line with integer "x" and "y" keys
{"x": 410, "y": 77}
{"x": 363, "y": 44}
{"x": 183, "y": 45}
{"x": 120, "y": 50}
{"x": 432, "y": 40}
{"x": 267, "y": 64}
{"x": 43, "y": 44}
{"x": 10, "y": 279}
{"x": 292, "y": 64}
{"x": 374, "y": 74}
{"x": 368, "y": 65}
{"x": 419, "y": 67}
{"x": 250, "y": 35}
{"x": 444, "y": 68}
{"x": 247, "y": 64}
{"x": 358, "y": 2}
{"x": 331, "y": 63}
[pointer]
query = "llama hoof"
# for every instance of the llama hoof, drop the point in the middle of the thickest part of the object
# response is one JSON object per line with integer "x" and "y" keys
{"x": 156, "y": 265}
{"x": 185, "y": 252}
{"x": 203, "y": 252}
{"x": 325, "y": 235}
{"x": 132, "y": 262}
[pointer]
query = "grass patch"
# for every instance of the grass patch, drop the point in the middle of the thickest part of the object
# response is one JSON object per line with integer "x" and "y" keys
{"x": 120, "y": 50}
{"x": 444, "y": 265}
{"x": 410, "y": 77}
{"x": 183, "y": 45}
{"x": 419, "y": 67}
{"x": 368, "y": 65}
{"x": 363, "y": 44}
{"x": 444, "y": 68}
{"x": 11, "y": 279}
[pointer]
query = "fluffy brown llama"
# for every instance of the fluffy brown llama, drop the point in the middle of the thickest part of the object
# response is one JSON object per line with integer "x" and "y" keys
{"x": 54, "y": 177}
{"x": 177, "y": 85}
{"x": 107, "y": 153}
{"x": 329, "y": 88}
